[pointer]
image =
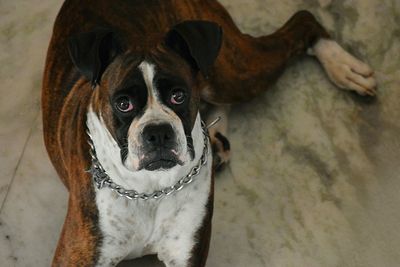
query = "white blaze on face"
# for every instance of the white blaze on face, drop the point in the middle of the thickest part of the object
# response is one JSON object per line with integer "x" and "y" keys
{"x": 155, "y": 113}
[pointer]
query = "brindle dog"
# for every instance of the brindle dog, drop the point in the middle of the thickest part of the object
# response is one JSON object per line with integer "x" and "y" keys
{"x": 97, "y": 47}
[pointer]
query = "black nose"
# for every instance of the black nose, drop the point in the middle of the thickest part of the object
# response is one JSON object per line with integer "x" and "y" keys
{"x": 159, "y": 135}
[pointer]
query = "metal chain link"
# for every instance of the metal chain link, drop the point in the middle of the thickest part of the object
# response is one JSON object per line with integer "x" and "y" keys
{"x": 101, "y": 178}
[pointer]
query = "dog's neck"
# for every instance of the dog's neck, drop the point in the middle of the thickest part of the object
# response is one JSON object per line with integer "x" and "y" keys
{"x": 108, "y": 154}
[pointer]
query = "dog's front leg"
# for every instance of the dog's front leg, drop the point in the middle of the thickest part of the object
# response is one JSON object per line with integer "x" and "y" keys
{"x": 179, "y": 250}
{"x": 80, "y": 238}
{"x": 180, "y": 255}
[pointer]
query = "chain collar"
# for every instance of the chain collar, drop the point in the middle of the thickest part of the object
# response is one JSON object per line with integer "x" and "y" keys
{"x": 101, "y": 178}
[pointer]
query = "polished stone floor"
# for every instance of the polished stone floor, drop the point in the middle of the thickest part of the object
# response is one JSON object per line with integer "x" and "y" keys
{"x": 315, "y": 173}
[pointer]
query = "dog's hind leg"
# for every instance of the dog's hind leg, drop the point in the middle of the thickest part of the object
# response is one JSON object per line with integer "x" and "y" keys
{"x": 247, "y": 65}
{"x": 344, "y": 70}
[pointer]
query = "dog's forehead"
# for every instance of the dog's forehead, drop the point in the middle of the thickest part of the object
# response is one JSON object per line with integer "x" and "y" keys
{"x": 124, "y": 73}
{"x": 146, "y": 74}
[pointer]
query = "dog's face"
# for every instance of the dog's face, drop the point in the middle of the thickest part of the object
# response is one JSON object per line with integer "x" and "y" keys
{"x": 150, "y": 106}
{"x": 149, "y": 100}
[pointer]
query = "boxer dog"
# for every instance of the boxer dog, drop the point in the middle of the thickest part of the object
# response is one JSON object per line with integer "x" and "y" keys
{"x": 123, "y": 86}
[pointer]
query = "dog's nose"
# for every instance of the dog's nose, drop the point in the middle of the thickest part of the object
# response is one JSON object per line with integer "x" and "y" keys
{"x": 159, "y": 135}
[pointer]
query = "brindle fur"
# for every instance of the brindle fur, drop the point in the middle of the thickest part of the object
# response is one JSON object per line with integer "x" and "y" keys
{"x": 245, "y": 67}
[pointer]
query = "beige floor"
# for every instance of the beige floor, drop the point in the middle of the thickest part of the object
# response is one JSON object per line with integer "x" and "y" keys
{"x": 314, "y": 178}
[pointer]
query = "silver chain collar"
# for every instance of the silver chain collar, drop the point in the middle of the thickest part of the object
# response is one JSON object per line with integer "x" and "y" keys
{"x": 101, "y": 178}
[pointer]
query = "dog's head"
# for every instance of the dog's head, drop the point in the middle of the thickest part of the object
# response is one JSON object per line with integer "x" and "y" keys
{"x": 149, "y": 98}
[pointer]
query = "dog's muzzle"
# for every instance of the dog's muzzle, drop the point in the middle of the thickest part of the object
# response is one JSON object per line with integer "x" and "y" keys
{"x": 159, "y": 147}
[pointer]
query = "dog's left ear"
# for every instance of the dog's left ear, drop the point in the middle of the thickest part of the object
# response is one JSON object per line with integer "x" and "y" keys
{"x": 93, "y": 51}
{"x": 196, "y": 41}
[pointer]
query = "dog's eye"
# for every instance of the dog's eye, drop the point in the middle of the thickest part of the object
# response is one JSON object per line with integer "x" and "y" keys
{"x": 178, "y": 96}
{"x": 124, "y": 104}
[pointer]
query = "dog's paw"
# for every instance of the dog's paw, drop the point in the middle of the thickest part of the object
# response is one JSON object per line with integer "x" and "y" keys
{"x": 345, "y": 71}
{"x": 221, "y": 151}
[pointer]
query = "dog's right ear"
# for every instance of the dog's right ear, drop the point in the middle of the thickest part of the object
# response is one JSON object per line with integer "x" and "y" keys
{"x": 93, "y": 51}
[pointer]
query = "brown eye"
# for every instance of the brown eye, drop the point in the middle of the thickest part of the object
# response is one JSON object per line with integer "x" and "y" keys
{"x": 178, "y": 96}
{"x": 124, "y": 104}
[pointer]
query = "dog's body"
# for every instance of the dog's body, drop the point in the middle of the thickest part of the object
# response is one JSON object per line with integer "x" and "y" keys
{"x": 143, "y": 116}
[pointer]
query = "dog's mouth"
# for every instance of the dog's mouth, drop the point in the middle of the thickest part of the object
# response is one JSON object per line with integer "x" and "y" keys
{"x": 159, "y": 160}
{"x": 160, "y": 164}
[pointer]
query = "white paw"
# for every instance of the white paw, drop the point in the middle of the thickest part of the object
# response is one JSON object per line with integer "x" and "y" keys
{"x": 344, "y": 70}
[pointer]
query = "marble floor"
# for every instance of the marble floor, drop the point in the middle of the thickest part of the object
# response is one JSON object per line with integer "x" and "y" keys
{"x": 315, "y": 182}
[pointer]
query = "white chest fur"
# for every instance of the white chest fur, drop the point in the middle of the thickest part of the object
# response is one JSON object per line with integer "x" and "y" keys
{"x": 133, "y": 228}
{"x": 167, "y": 227}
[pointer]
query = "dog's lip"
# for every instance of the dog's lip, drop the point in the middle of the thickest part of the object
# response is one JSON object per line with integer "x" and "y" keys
{"x": 160, "y": 161}
{"x": 161, "y": 164}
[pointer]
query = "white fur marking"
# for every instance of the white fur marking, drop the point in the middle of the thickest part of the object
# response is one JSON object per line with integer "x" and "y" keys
{"x": 148, "y": 71}
{"x": 344, "y": 70}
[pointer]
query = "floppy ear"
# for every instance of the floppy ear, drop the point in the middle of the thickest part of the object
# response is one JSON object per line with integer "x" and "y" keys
{"x": 196, "y": 41}
{"x": 92, "y": 52}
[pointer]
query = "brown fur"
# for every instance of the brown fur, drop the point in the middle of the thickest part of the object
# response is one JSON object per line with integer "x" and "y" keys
{"x": 245, "y": 67}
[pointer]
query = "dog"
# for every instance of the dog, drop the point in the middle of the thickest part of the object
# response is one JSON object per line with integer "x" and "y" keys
{"x": 125, "y": 89}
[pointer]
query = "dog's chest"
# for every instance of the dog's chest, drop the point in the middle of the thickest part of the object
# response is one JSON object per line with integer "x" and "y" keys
{"x": 133, "y": 228}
